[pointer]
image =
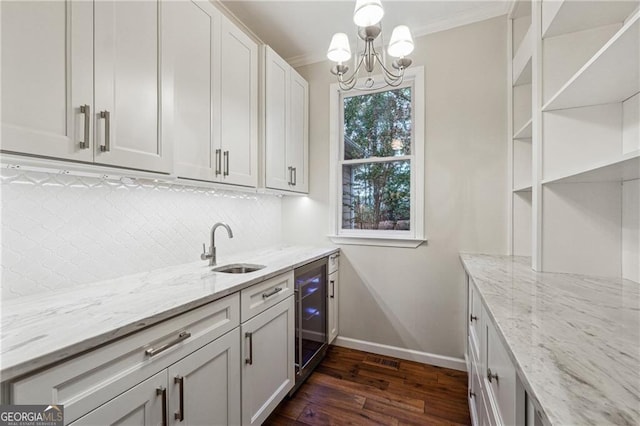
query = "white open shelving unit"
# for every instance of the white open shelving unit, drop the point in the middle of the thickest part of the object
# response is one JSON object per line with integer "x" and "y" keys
{"x": 520, "y": 119}
{"x": 576, "y": 147}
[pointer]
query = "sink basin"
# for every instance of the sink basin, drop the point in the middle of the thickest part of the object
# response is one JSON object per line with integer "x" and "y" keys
{"x": 238, "y": 268}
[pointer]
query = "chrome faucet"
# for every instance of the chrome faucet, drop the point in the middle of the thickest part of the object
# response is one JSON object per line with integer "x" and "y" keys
{"x": 212, "y": 249}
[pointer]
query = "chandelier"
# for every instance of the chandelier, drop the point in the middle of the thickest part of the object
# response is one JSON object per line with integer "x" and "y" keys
{"x": 367, "y": 16}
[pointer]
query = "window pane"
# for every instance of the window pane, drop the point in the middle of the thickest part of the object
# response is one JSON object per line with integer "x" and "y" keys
{"x": 377, "y": 124}
{"x": 376, "y": 196}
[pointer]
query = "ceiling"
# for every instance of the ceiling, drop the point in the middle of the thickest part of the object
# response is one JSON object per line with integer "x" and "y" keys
{"x": 300, "y": 30}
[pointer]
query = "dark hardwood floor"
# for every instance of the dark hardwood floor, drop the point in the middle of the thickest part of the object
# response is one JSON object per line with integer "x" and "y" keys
{"x": 352, "y": 387}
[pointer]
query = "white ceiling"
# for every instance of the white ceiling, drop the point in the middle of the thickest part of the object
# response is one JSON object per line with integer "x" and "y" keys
{"x": 300, "y": 30}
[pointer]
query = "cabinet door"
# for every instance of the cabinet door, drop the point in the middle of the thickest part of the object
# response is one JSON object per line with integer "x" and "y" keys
{"x": 196, "y": 85}
{"x": 239, "y": 106}
{"x": 298, "y": 141}
{"x": 332, "y": 314}
{"x": 276, "y": 95}
{"x": 267, "y": 366}
{"x": 205, "y": 386}
{"x": 127, "y": 86}
{"x": 143, "y": 405}
{"x": 47, "y": 75}
{"x": 500, "y": 378}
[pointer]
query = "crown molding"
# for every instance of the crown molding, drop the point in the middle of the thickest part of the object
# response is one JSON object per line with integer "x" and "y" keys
{"x": 490, "y": 11}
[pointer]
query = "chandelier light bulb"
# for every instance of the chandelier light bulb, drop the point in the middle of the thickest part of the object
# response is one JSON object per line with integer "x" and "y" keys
{"x": 367, "y": 12}
{"x": 401, "y": 43}
{"x": 339, "y": 49}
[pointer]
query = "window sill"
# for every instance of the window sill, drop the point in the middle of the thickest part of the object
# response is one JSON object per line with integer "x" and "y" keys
{"x": 377, "y": 241}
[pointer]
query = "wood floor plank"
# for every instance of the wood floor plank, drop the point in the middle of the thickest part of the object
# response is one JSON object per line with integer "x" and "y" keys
{"x": 322, "y": 395}
{"x": 369, "y": 392}
{"x": 405, "y": 416}
{"x": 324, "y": 415}
{"x": 352, "y": 387}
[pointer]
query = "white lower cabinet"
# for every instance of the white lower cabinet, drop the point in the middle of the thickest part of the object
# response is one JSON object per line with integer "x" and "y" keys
{"x": 203, "y": 367}
{"x": 144, "y": 404}
{"x": 268, "y": 357}
{"x": 332, "y": 306}
{"x": 500, "y": 378}
{"x": 205, "y": 386}
{"x": 493, "y": 381}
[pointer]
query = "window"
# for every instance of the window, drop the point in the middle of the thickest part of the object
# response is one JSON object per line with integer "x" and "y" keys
{"x": 377, "y": 164}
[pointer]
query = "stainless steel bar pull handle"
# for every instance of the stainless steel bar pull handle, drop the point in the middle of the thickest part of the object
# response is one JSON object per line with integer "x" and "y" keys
{"x": 218, "y": 162}
{"x": 163, "y": 391}
{"x": 333, "y": 288}
{"x": 271, "y": 293}
{"x": 179, "y": 380}
{"x": 86, "y": 111}
{"x": 290, "y": 182}
{"x": 155, "y": 351}
{"x": 107, "y": 131}
{"x": 250, "y": 359}
{"x": 295, "y": 176}
{"x": 226, "y": 163}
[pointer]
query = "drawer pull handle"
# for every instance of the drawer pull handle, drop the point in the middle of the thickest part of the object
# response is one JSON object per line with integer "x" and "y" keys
{"x": 333, "y": 289}
{"x": 225, "y": 172}
{"x": 491, "y": 376}
{"x": 218, "y": 162}
{"x": 155, "y": 351}
{"x": 86, "y": 111}
{"x": 163, "y": 391}
{"x": 179, "y": 380}
{"x": 250, "y": 359}
{"x": 472, "y": 318}
{"x": 274, "y": 292}
{"x": 107, "y": 131}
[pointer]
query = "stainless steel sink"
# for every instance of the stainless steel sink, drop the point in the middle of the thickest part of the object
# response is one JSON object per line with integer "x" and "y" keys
{"x": 238, "y": 268}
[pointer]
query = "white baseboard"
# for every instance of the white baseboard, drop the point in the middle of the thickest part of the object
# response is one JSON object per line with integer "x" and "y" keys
{"x": 402, "y": 353}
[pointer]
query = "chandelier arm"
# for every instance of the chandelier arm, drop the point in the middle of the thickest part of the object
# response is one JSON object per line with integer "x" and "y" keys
{"x": 386, "y": 71}
{"x": 350, "y": 82}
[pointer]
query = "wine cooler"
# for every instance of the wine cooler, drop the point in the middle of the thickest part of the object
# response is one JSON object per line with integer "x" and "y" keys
{"x": 311, "y": 318}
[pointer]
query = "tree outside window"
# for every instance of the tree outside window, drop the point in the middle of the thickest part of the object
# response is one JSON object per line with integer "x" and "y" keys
{"x": 376, "y": 163}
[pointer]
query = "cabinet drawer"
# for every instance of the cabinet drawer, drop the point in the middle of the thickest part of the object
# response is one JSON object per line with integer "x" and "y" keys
{"x": 475, "y": 318}
{"x": 501, "y": 391}
{"x": 258, "y": 298}
{"x": 334, "y": 263}
{"x": 88, "y": 381}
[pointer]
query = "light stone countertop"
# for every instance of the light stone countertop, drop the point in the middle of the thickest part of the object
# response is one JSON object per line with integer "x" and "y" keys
{"x": 43, "y": 329}
{"x": 574, "y": 339}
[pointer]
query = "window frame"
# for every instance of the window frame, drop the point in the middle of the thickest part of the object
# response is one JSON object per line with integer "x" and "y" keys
{"x": 414, "y": 78}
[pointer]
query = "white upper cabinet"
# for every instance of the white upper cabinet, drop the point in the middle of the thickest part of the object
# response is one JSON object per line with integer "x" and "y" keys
{"x": 51, "y": 71}
{"x": 298, "y": 141}
{"x": 276, "y": 120}
{"x": 196, "y": 85}
{"x": 127, "y": 88}
{"x": 214, "y": 112}
{"x": 239, "y": 106}
{"x": 47, "y": 78}
{"x": 286, "y": 126}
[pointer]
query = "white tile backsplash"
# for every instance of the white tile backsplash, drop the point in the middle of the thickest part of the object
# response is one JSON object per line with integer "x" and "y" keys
{"x": 61, "y": 230}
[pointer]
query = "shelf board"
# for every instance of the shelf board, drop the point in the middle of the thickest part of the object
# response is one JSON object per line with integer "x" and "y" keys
{"x": 525, "y": 131}
{"x": 623, "y": 169}
{"x": 572, "y": 16}
{"x": 521, "y": 64}
{"x": 611, "y": 75}
{"x": 523, "y": 189}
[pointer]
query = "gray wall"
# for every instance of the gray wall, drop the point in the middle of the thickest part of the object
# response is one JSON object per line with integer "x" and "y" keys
{"x": 415, "y": 298}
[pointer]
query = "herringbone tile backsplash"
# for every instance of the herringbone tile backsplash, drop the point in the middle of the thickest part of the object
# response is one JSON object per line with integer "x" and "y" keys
{"x": 61, "y": 230}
